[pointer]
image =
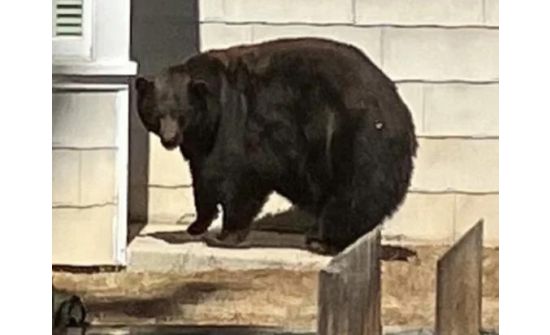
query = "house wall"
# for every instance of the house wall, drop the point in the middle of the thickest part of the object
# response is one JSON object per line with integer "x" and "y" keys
{"x": 443, "y": 55}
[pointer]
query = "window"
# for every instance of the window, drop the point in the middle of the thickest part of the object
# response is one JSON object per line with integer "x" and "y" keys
{"x": 71, "y": 28}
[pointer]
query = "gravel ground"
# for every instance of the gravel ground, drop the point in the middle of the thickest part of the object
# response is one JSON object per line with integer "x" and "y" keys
{"x": 210, "y": 330}
{"x": 277, "y": 298}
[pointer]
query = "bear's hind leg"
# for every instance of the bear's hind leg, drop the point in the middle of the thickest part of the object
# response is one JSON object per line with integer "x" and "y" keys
{"x": 315, "y": 241}
{"x": 343, "y": 220}
{"x": 323, "y": 238}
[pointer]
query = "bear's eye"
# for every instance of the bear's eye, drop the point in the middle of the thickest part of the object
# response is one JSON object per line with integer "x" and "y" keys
{"x": 152, "y": 123}
{"x": 155, "y": 124}
{"x": 149, "y": 118}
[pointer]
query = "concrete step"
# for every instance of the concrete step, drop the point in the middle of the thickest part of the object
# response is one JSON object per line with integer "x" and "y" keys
{"x": 168, "y": 248}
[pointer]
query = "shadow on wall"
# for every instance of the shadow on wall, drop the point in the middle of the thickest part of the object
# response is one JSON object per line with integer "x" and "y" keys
{"x": 163, "y": 32}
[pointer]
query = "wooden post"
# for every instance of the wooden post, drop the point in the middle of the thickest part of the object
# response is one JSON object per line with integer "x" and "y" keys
{"x": 350, "y": 292}
{"x": 458, "y": 299}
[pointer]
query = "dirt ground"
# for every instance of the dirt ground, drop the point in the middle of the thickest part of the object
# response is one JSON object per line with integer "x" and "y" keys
{"x": 279, "y": 298}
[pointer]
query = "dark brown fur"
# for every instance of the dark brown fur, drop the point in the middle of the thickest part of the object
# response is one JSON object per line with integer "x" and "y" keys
{"x": 312, "y": 119}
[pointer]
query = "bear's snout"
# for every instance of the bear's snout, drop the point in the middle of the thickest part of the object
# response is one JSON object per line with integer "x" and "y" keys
{"x": 171, "y": 143}
{"x": 170, "y": 136}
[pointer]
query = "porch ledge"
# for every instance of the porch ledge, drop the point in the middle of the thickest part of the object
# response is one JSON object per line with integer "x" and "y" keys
{"x": 168, "y": 248}
{"x": 88, "y": 68}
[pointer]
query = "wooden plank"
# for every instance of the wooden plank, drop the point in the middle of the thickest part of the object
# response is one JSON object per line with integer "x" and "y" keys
{"x": 350, "y": 291}
{"x": 458, "y": 299}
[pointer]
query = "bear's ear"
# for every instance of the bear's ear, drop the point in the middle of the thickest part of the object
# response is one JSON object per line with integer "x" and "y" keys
{"x": 143, "y": 84}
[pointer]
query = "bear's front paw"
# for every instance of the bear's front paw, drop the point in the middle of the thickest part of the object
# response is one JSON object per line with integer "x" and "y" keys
{"x": 197, "y": 228}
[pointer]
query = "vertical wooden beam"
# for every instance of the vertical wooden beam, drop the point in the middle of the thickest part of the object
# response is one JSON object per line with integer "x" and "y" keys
{"x": 458, "y": 298}
{"x": 350, "y": 291}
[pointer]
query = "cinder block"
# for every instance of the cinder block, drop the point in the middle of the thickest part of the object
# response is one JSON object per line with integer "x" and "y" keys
{"x": 413, "y": 96}
{"x": 65, "y": 177}
{"x": 441, "y": 54}
{"x": 441, "y": 12}
{"x": 168, "y": 205}
{"x": 212, "y": 10}
{"x": 84, "y": 120}
{"x": 83, "y": 236}
{"x": 98, "y": 181}
{"x": 220, "y": 35}
{"x": 422, "y": 218}
{"x": 167, "y": 168}
{"x": 365, "y": 38}
{"x": 471, "y": 208}
{"x": 456, "y": 164}
{"x": 461, "y": 109}
{"x": 491, "y": 12}
{"x": 281, "y": 11}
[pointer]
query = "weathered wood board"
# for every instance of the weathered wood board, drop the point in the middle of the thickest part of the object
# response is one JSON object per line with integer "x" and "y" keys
{"x": 459, "y": 275}
{"x": 350, "y": 291}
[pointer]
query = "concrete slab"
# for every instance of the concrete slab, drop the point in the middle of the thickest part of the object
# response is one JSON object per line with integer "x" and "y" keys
{"x": 168, "y": 248}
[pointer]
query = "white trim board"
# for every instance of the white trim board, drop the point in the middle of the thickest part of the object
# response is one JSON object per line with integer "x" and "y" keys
{"x": 120, "y": 227}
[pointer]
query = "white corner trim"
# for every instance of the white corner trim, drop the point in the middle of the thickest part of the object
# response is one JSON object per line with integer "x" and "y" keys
{"x": 98, "y": 68}
{"x": 121, "y": 222}
{"x": 73, "y": 86}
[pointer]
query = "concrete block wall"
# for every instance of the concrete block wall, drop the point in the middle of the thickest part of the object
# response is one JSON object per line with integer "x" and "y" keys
{"x": 443, "y": 55}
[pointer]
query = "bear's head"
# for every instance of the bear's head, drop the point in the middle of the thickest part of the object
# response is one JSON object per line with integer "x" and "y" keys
{"x": 168, "y": 104}
{"x": 186, "y": 100}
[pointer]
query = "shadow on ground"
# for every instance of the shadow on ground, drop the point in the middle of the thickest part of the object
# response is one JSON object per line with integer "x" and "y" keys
{"x": 281, "y": 230}
{"x": 183, "y": 330}
{"x": 165, "y": 306}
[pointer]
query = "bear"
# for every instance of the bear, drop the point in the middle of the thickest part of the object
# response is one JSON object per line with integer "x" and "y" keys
{"x": 312, "y": 119}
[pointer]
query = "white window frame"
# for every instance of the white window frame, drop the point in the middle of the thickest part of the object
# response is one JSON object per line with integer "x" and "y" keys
{"x": 71, "y": 47}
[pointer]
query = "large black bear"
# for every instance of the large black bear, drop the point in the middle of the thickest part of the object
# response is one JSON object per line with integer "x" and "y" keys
{"x": 312, "y": 119}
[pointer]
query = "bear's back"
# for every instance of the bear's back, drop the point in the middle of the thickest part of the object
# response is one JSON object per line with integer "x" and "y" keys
{"x": 334, "y": 58}
{"x": 347, "y": 72}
